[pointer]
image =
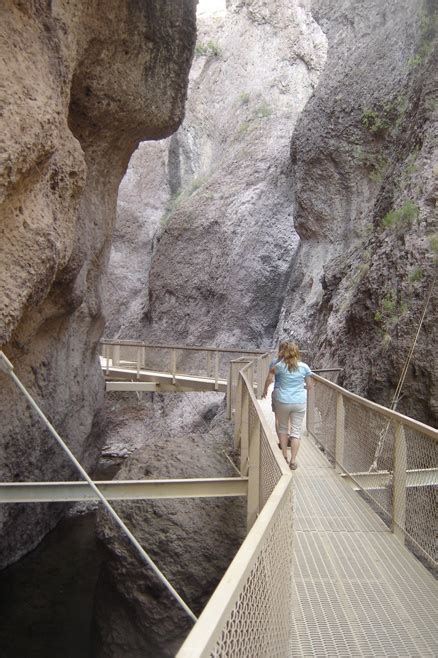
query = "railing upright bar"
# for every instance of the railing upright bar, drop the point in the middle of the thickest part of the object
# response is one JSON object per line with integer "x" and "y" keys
{"x": 254, "y": 474}
{"x": 138, "y": 361}
{"x": 244, "y": 430}
{"x": 230, "y": 392}
{"x": 238, "y": 411}
{"x": 116, "y": 355}
{"x": 339, "y": 432}
{"x": 173, "y": 365}
{"x": 310, "y": 415}
{"x": 216, "y": 371}
{"x": 399, "y": 487}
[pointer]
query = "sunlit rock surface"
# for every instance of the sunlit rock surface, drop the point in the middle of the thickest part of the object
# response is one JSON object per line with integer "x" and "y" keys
{"x": 226, "y": 240}
{"x": 82, "y": 83}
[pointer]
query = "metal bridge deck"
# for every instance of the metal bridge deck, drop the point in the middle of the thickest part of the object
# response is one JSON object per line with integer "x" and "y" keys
{"x": 358, "y": 590}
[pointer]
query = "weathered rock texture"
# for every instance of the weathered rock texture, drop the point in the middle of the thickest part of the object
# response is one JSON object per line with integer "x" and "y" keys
{"x": 192, "y": 541}
{"x": 227, "y": 242}
{"x": 82, "y": 83}
{"x": 366, "y": 144}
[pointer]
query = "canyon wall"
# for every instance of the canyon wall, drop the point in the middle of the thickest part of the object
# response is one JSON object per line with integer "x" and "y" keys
{"x": 364, "y": 156}
{"x": 223, "y": 252}
{"x": 332, "y": 241}
{"x": 82, "y": 83}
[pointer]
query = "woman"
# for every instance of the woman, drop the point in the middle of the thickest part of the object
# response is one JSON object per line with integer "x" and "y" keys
{"x": 292, "y": 378}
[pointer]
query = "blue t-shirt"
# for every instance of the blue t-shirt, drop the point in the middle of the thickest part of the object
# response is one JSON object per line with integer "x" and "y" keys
{"x": 289, "y": 385}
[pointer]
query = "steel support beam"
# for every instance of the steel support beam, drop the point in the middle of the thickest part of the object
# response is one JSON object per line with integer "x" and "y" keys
{"x": 132, "y": 386}
{"x": 47, "y": 492}
{"x": 425, "y": 477}
{"x": 165, "y": 380}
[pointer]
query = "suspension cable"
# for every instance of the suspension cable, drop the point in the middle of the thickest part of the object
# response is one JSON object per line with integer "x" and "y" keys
{"x": 402, "y": 378}
{"x": 7, "y": 367}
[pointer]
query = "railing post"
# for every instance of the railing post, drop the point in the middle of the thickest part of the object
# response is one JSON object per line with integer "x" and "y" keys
{"x": 260, "y": 363}
{"x": 238, "y": 411}
{"x": 208, "y": 363}
{"x": 310, "y": 415}
{"x": 339, "y": 433}
{"x": 216, "y": 371}
{"x": 254, "y": 475}
{"x": 173, "y": 365}
{"x": 138, "y": 361}
{"x": 399, "y": 488}
{"x": 244, "y": 431}
{"x": 229, "y": 391}
{"x": 116, "y": 355}
{"x": 107, "y": 353}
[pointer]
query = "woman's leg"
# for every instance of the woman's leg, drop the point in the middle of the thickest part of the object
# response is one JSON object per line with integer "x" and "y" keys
{"x": 294, "y": 447}
{"x": 296, "y": 418}
{"x": 281, "y": 425}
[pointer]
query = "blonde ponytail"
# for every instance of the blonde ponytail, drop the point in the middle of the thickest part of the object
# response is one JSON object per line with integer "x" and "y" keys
{"x": 291, "y": 356}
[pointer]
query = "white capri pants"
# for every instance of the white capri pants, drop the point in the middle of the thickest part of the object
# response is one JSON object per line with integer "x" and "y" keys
{"x": 293, "y": 412}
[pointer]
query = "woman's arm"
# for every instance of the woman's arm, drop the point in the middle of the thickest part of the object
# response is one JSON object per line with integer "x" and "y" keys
{"x": 268, "y": 382}
{"x": 308, "y": 382}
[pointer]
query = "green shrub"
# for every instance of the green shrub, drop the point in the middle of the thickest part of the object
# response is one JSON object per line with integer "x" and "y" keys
{"x": 433, "y": 242}
{"x": 244, "y": 127}
{"x": 263, "y": 110}
{"x": 388, "y": 315}
{"x": 389, "y": 304}
{"x": 379, "y": 121}
{"x": 196, "y": 184}
{"x": 428, "y": 34}
{"x": 374, "y": 121}
{"x": 416, "y": 275}
{"x": 209, "y": 49}
{"x": 401, "y": 217}
{"x": 244, "y": 98}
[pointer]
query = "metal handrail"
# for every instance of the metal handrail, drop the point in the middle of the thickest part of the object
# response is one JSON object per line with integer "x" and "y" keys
{"x": 384, "y": 411}
{"x": 139, "y": 343}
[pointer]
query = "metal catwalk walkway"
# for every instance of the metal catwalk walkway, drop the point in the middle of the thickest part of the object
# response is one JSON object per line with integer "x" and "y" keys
{"x": 358, "y": 591}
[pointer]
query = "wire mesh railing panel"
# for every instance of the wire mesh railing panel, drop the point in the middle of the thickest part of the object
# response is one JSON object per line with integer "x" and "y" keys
{"x": 258, "y": 626}
{"x": 369, "y": 439}
{"x": 324, "y": 420}
{"x": 197, "y": 363}
{"x": 421, "y": 516}
{"x": 393, "y": 459}
{"x": 270, "y": 472}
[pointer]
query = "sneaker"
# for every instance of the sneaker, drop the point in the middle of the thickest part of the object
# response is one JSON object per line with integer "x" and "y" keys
{"x": 293, "y": 467}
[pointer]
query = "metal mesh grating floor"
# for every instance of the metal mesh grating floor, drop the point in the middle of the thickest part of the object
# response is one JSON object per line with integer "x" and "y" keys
{"x": 357, "y": 591}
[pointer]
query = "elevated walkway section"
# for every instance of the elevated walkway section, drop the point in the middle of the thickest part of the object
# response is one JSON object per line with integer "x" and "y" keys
{"x": 356, "y": 590}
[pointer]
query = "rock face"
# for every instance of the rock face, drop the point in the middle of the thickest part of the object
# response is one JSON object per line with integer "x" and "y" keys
{"x": 365, "y": 147}
{"x": 82, "y": 83}
{"x": 224, "y": 252}
{"x": 192, "y": 541}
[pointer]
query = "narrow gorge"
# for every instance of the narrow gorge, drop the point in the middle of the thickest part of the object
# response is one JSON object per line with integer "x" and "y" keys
{"x": 181, "y": 174}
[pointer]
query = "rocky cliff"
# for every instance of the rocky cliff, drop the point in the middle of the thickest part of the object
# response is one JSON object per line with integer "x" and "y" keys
{"x": 82, "y": 83}
{"x": 364, "y": 156}
{"x": 333, "y": 241}
{"x": 223, "y": 253}
{"x": 192, "y": 541}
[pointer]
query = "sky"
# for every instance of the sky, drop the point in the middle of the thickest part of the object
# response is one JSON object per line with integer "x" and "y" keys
{"x": 206, "y": 7}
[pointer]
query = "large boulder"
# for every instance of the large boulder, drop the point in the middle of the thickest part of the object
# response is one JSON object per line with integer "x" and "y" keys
{"x": 192, "y": 541}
